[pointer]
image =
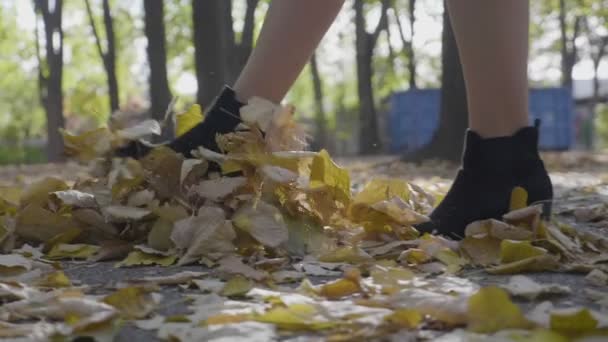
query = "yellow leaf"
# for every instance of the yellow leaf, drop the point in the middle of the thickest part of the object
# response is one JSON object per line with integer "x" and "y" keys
{"x": 65, "y": 237}
{"x": 38, "y": 192}
{"x": 415, "y": 256}
{"x": 294, "y": 317}
{"x": 545, "y": 262}
{"x": 55, "y": 279}
{"x": 519, "y": 198}
{"x": 405, "y": 318}
{"x": 137, "y": 258}
{"x": 72, "y": 251}
{"x": 450, "y": 259}
{"x": 227, "y": 319}
{"x": 511, "y": 251}
{"x": 340, "y": 288}
{"x": 325, "y": 173}
{"x": 573, "y": 322}
{"x": 88, "y": 145}
{"x": 347, "y": 254}
{"x": 491, "y": 310}
{"x": 133, "y": 302}
{"x": 187, "y": 120}
{"x": 378, "y": 190}
{"x": 160, "y": 235}
{"x": 390, "y": 278}
{"x": 237, "y": 286}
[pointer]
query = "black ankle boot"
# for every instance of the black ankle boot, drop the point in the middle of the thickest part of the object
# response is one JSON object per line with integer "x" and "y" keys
{"x": 222, "y": 117}
{"x": 491, "y": 168}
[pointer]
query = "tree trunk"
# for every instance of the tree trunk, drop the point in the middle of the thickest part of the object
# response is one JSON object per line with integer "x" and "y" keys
{"x": 160, "y": 94}
{"x": 108, "y": 57}
{"x": 208, "y": 18}
{"x": 567, "y": 64}
{"x": 320, "y": 140}
{"x": 447, "y": 141}
{"x": 408, "y": 45}
{"x": 369, "y": 140}
{"x": 50, "y": 76}
{"x": 411, "y": 64}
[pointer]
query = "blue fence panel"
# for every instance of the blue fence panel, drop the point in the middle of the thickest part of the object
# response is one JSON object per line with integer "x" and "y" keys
{"x": 414, "y": 117}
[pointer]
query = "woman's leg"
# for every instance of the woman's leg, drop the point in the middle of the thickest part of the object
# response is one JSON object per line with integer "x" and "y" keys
{"x": 291, "y": 32}
{"x": 501, "y": 151}
{"x": 492, "y": 38}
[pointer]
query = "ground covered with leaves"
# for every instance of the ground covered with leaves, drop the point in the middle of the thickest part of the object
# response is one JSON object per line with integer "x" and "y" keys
{"x": 268, "y": 242}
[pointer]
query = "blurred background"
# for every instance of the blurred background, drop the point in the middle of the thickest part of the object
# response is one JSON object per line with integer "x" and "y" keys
{"x": 71, "y": 63}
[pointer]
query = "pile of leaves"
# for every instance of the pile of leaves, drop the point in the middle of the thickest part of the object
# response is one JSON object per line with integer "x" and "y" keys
{"x": 262, "y": 219}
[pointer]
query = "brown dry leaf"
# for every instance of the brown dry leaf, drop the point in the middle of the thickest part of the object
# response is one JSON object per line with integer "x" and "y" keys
{"x": 482, "y": 251}
{"x": 120, "y": 213}
{"x": 234, "y": 265}
{"x": 346, "y": 254}
{"x": 219, "y": 188}
{"x": 34, "y": 223}
{"x": 14, "y": 264}
{"x": 263, "y": 221}
{"x": 498, "y": 230}
{"x": 207, "y": 234}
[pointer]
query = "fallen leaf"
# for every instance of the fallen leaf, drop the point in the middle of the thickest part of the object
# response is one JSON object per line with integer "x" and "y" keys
{"x": 325, "y": 173}
{"x": 597, "y": 277}
{"x": 525, "y": 287}
{"x": 140, "y": 130}
{"x": 76, "y": 198}
{"x": 13, "y": 264}
{"x": 404, "y": 318}
{"x": 519, "y": 198}
{"x": 138, "y": 258}
{"x": 236, "y": 286}
{"x": 206, "y": 234}
{"x": 132, "y": 302}
{"x": 234, "y": 265}
{"x": 187, "y": 120}
{"x": 119, "y": 213}
{"x": 546, "y": 262}
{"x": 263, "y": 221}
{"x": 294, "y": 317}
{"x": 491, "y": 310}
{"x": 72, "y": 251}
{"x": 511, "y": 251}
{"x": 219, "y": 188}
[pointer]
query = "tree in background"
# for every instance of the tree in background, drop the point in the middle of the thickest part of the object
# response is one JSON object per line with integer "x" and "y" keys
{"x": 219, "y": 55}
{"x": 569, "y": 31}
{"x": 447, "y": 142}
{"x": 50, "y": 73}
{"x": 160, "y": 94}
{"x": 408, "y": 44}
{"x": 320, "y": 139}
{"x": 108, "y": 57}
{"x": 369, "y": 140}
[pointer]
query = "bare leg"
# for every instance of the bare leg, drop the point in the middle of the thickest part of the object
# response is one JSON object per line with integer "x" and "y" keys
{"x": 291, "y": 32}
{"x": 492, "y": 37}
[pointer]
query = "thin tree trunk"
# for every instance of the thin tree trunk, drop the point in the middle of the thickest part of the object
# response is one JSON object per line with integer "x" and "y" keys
{"x": 111, "y": 57}
{"x": 369, "y": 140}
{"x": 238, "y": 51}
{"x": 321, "y": 125}
{"x": 569, "y": 51}
{"x": 108, "y": 57}
{"x": 160, "y": 94}
{"x": 447, "y": 141}
{"x": 210, "y": 46}
{"x": 51, "y": 76}
{"x": 408, "y": 45}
